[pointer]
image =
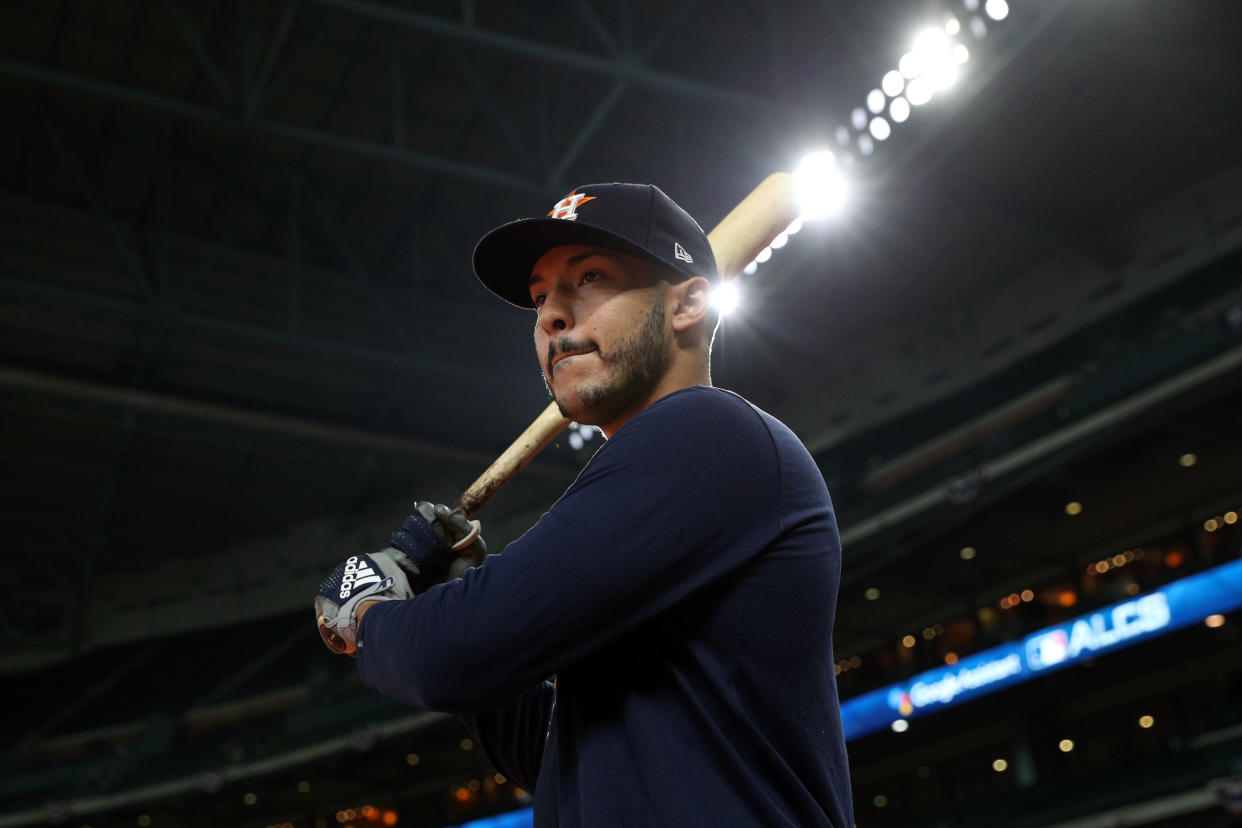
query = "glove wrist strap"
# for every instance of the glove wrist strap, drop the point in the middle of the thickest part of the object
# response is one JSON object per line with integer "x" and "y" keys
{"x": 417, "y": 540}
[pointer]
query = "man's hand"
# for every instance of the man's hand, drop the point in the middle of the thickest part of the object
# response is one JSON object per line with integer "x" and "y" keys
{"x": 361, "y": 579}
{"x": 436, "y": 544}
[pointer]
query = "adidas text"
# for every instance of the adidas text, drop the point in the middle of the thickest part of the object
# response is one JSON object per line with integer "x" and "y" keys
{"x": 357, "y": 573}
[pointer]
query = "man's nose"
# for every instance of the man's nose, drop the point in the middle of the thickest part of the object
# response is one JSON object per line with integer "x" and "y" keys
{"x": 556, "y": 312}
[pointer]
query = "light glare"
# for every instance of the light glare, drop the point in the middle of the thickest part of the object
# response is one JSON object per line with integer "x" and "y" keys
{"x": 943, "y": 76}
{"x": 865, "y": 145}
{"x": 880, "y": 129}
{"x": 750, "y": 269}
{"x": 875, "y": 101}
{"x": 952, "y": 26}
{"x": 764, "y": 255}
{"x": 910, "y": 65}
{"x": 893, "y": 83}
{"x": 818, "y": 185}
{"x": 900, "y": 725}
{"x": 931, "y": 45}
{"x": 899, "y": 110}
{"x": 919, "y": 91}
{"x": 960, "y": 53}
{"x": 780, "y": 241}
{"x": 727, "y": 297}
{"x": 996, "y": 9}
{"x": 858, "y": 118}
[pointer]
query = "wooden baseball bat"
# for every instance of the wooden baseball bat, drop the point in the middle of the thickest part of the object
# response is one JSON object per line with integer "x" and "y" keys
{"x": 748, "y": 228}
{"x": 736, "y": 240}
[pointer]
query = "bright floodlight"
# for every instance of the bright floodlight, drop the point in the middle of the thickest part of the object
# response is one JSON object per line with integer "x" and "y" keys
{"x": 996, "y": 9}
{"x": 726, "y": 297}
{"x": 764, "y": 255}
{"x": 932, "y": 45}
{"x": 919, "y": 91}
{"x": 780, "y": 241}
{"x": 750, "y": 269}
{"x": 910, "y": 65}
{"x": 899, "y": 110}
{"x": 819, "y": 185}
{"x": 875, "y": 101}
{"x": 793, "y": 227}
{"x": 943, "y": 76}
{"x": 893, "y": 83}
{"x": 960, "y": 53}
{"x": 880, "y": 129}
{"x": 952, "y": 26}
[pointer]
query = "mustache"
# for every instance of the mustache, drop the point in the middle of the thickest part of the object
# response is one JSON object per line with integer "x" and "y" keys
{"x": 565, "y": 344}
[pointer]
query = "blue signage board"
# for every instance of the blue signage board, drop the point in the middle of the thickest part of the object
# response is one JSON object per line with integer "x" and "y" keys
{"x": 1176, "y": 605}
{"x": 524, "y": 818}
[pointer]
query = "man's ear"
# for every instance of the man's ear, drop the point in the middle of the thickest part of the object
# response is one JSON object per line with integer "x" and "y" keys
{"x": 693, "y": 303}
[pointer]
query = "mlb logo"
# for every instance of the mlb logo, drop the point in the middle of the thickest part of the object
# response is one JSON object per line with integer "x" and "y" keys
{"x": 1047, "y": 650}
{"x": 899, "y": 700}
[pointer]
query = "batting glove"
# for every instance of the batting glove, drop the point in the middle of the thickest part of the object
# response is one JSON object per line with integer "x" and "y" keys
{"x": 362, "y": 578}
{"x": 436, "y": 544}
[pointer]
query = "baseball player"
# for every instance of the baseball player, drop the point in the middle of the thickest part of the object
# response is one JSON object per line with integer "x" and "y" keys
{"x": 657, "y": 649}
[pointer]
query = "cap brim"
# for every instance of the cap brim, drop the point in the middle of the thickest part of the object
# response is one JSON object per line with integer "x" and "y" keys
{"x": 505, "y": 257}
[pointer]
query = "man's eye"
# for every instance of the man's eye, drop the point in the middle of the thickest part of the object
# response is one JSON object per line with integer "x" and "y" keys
{"x": 537, "y": 300}
{"x": 592, "y": 275}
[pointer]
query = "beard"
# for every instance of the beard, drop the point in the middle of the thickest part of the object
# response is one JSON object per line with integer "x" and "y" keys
{"x": 630, "y": 372}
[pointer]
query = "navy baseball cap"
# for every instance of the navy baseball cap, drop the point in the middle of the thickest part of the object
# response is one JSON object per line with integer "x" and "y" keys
{"x": 638, "y": 219}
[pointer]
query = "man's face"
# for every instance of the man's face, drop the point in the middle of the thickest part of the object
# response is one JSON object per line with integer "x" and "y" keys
{"x": 602, "y": 336}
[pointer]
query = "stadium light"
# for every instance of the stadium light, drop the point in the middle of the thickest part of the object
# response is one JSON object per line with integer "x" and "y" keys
{"x": 996, "y": 9}
{"x": 726, "y": 297}
{"x": 933, "y": 64}
{"x": 818, "y": 185}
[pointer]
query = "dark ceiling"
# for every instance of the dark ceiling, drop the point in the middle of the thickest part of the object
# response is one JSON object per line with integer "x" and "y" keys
{"x": 239, "y": 333}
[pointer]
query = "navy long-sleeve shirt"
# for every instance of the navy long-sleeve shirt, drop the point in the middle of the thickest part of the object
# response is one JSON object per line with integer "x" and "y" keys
{"x": 682, "y": 593}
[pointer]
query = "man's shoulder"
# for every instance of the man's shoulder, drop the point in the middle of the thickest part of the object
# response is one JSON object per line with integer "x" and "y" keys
{"x": 712, "y": 416}
{"x": 719, "y": 405}
{"x": 702, "y": 398}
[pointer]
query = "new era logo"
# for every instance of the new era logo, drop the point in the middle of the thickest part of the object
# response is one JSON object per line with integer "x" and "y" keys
{"x": 680, "y": 253}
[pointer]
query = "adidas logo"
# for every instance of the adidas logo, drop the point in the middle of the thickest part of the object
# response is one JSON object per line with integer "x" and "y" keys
{"x": 679, "y": 252}
{"x": 358, "y": 573}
